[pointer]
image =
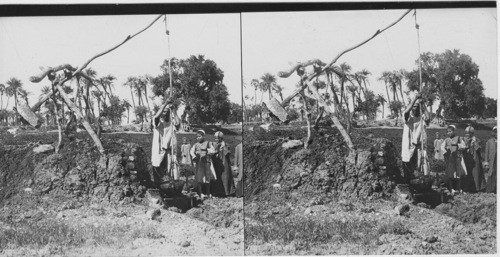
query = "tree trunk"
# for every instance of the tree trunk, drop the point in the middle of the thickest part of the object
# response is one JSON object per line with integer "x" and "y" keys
{"x": 139, "y": 96}
{"x": 255, "y": 97}
{"x": 146, "y": 96}
{"x": 401, "y": 91}
{"x": 335, "y": 97}
{"x": 308, "y": 120}
{"x": 58, "y": 121}
{"x": 388, "y": 96}
{"x": 87, "y": 100}
{"x": 79, "y": 115}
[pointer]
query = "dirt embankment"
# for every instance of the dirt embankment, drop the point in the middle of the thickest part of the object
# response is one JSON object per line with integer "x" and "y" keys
{"x": 81, "y": 203}
{"x": 324, "y": 200}
{"x": 77, "y": 171}
{"x": 326, "y": 168}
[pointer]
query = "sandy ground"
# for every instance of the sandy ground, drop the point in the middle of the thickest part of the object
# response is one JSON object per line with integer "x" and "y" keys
{"x": 179, "y": 234}
{"x": 451, "y": 235}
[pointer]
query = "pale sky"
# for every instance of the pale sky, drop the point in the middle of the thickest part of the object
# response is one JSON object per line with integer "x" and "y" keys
{"x": 26, "y": 43}
{"x": 273, "y": 42}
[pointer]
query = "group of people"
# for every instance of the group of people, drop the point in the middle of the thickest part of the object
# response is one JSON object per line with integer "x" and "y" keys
{"x": 466, "y": 168}
{"x": 213, "y": 165}
{"x": 211, "y": 160}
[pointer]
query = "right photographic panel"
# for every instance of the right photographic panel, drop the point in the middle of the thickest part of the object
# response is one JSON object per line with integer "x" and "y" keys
{"x": 370, "y": 131}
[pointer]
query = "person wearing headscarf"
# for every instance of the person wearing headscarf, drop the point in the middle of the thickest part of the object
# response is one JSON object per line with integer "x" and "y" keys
{"x": 413, "y": 157}
{"x": 490, "y": 156}
{"x": 185, "y": 153}
{"x": 161, "y": 145}
{"x": 451, "y": 148}
{"x": 200, "y": 153}
{"x": 222, "y": 164}
{"x": 438, "y": 155}
{"x": 474, "y": 181}
{"x": 238, "y": 162}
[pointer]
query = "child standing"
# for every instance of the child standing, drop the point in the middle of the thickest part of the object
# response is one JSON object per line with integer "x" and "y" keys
{"x": 185, "y": 152}
{"x": 200, "y": 154}
{"x": 453, "y": 158}
{"x": 438, "y": 154}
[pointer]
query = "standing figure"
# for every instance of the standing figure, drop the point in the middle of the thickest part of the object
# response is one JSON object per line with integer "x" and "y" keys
{"x": 475, "y": 181}
{"x": 201, "y": 158}
{"x": 185, "y": 152}
{"x": 222, "y": 164}
{"x": 238, "y": 163}
{"x": 438, "y": 154}
{"x": 490, "y": 155}
{"x": 162, "y": 136}
{"x": 451, "y": 148}
{"x": 413, "y": 157}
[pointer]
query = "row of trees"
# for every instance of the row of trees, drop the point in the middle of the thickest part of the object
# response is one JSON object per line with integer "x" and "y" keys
{"x": 196, "y": 79}
{"x": 451, "y": 78}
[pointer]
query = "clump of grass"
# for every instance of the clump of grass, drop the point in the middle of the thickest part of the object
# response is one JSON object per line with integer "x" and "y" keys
{"x": 57, "y": 232}
{"x": 396, "y": 228}
{"x": 310, "y": 231}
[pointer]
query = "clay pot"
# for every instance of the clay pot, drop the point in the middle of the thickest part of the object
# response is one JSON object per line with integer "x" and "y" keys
{"x": 172, "y": 188}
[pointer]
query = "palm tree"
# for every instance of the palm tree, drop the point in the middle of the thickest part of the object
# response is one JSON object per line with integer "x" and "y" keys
{"x": 267, "y": 83}
{"x": 345, "y": 70}
{"x": 359, "y": 78}
{"x": 88, "y": 84}
{"x": 106, "y": 84}
{"x": 256, "y": 84}
{"x": 131, "y": 84}
{"x": 109, "y": 79}
{"x": 98, "y": 96}
{"x": 365, "y": 74}
{"x": 382, "y": 101}
{"x": 14, "y": 85}
{"x": 401, "y": 74}
{"x": 352, "y": 88}
{"x": 138, "y": 90}
{"x": 127, "y": 106}
{"x": 2, "y": 91}
{"x": 329, "y": 77}
{"x": 386, "y": 78}
{"x": 144, "y": 81}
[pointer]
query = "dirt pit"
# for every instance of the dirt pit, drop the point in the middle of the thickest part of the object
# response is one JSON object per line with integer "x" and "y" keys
{"x": 324, "y": 200}
{"x": 79, "y": 203}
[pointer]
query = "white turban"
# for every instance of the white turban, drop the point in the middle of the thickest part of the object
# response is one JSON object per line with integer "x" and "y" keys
{"x": 218, "y": 134}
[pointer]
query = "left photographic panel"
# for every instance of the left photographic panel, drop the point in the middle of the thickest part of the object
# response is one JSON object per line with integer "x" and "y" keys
{"x": 118, "y": 135}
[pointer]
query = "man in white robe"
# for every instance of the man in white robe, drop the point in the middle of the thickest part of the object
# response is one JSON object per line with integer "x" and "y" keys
{"x": 413, "y": 156}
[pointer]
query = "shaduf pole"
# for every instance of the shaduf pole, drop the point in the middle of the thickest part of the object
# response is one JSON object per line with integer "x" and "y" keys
{"x": 319, "y": 68}
{"x": 70, "y": 72}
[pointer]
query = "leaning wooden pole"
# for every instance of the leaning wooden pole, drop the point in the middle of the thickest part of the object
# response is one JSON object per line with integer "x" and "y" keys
{"x": 70, "y": 72}
{"x": 307, "y": 79}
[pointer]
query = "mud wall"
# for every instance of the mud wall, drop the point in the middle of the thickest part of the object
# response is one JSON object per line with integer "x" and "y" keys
{"x": 326, "y": 168}
{"x": 78, "y": 171}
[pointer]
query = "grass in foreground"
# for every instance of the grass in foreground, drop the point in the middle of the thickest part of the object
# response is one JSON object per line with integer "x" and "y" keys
{"x": 56, "y": 232}
{"x": 310, "y": 231}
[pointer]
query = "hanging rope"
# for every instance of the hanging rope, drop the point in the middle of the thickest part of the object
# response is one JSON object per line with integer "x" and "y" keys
{"x": 173, "y": 146}
{"x": 421, "y": 106}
